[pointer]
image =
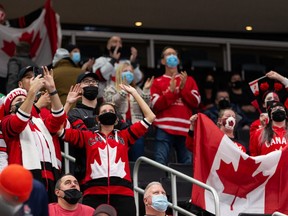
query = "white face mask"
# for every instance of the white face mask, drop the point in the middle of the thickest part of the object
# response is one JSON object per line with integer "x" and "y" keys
{"x": 229, "y": 123}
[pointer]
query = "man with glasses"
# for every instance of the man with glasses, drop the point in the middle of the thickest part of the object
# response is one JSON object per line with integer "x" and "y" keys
{"x": 83, "y": 116}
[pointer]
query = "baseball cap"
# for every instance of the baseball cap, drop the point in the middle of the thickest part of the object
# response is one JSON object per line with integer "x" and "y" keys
{"x": 86, "y": 74}
{"x": 23, "y": 71}
{"x": 105, "y": 208}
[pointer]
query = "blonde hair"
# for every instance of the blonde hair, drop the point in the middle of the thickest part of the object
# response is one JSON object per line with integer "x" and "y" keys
{"x": 118, "y": 75}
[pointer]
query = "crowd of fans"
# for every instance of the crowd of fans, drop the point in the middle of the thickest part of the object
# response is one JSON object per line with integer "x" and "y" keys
{"x": 103, "y": 108}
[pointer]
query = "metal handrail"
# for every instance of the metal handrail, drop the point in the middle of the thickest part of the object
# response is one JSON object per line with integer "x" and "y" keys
{"x": 278, "y": 214}
{"x": 174, "y": 173}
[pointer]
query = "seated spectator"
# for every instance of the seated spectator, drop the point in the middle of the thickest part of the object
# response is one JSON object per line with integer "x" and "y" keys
{"x": 241, "y": 95}
{"x": 155, "y": 199}
{"x": 68, "y": 194}
{"x": 207, "y": 91}
{"x": 222, "y": 101}
{"x": 105, "y": 210}
{"x": 15, "y": 187}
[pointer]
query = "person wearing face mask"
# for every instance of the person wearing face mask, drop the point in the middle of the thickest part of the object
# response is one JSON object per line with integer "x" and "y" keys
{"x": 241, "y": 95}
{"x": 155, "y": 200}
{"x": 273, "y": 136}
{"x": 105, "y": 66}
{"x": 173, "y": 97}
{"x": 226, "y": 123}
{"x": 65, "y": 72}
{"x": 127, "y": 106}
{"x": 222, "y": 101}
{"x": 68, "y": 194}
{"x": 107, "y": 178}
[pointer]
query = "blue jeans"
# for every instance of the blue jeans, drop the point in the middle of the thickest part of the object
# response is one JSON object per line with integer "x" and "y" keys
{"x": 137, "y": 150}
{"x": 164, "y": 142}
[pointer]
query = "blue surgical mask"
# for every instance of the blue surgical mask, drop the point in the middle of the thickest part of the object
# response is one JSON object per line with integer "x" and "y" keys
{"x": 128, "y": 75}
{"x": 76, "y": 57}
{"x": 159, "y": 202}
{"x": 172, "y": 61}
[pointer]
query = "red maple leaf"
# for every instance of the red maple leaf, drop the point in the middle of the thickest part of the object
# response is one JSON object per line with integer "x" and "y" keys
{"x": 9, "y": 48}
{"x": 240, "y": 182}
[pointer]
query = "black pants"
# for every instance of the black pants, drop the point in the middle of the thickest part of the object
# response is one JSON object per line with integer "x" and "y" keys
{"x": 124, "y": 205}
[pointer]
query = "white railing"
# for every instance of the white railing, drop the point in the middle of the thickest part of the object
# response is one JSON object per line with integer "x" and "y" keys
{"x": 174, "y": 174}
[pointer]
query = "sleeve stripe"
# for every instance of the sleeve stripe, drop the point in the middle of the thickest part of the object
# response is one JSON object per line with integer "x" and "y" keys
{"x": 58, "y": 113}
{"x": 22, "y": 115}
{"x": 132, "y": 134}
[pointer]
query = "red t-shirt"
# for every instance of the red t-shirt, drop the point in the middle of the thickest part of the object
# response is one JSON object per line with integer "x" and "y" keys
{"x": 56, "y": 210}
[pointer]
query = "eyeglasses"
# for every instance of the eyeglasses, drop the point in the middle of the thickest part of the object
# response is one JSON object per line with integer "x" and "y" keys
{"x": 90, "y": 81}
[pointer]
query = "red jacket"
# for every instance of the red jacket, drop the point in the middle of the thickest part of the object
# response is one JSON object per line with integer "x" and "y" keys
{"x": 173, "y": 109}
{"x": 278, "y": 141}
{"x": 107, "y": 164}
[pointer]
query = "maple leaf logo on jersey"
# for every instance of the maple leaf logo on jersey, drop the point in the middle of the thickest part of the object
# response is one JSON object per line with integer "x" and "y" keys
{"x": 244, "y": 172}
{"x": 108, "y": 166}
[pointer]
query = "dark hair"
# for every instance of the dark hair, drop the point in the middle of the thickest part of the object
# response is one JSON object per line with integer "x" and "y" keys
{"x": 106, "y": 103}
{"x": 168, "y": 47}
{"x": 23, "y": 47}
{"x": 57, "y": 185}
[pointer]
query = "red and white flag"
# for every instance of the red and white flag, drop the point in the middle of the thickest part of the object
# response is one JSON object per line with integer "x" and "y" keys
{"x": 43, "y": 34}
{"x": 243, "y": 183}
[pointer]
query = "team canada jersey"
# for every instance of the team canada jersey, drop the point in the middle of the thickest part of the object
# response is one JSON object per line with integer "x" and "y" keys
{"x": 107, "y": 164}
{"x": 173, "y": 109}
{"x": 278, "y": 141}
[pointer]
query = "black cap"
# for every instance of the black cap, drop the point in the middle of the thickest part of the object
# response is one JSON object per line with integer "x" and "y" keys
{"x": 70, "y": 47}
{"x": 86, "y": 74}
{"x": 23, "y": 71}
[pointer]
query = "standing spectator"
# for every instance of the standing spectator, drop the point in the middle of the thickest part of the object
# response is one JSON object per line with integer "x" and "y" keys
{"x": 241, "y": 95}
{"x": 27, "y": 137}
{"x": 222, "y": 101}
{"x": 105, "y": 66}
{"x": 65, "y": 73}
{"x": 68, "y": 194}
{"x": 155, "y": 199}
{"x": 75, "y": 55}
{"x": 83, "y": 117}
{"x": 20, "y": 60}
{"x": 107, "y": 178}
{"x": 208, "y": 92}
{"x": 174, "y": 95}
{"x": 127, "y": 106}
{"x": 226, "y": 123}
{"x": 274, "y": 135}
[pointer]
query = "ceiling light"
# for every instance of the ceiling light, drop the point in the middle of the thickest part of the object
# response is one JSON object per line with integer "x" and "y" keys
{"x": 249, "y": 28}
{"x": 138, "y": 23}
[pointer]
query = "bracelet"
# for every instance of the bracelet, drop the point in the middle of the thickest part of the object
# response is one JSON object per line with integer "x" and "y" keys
{"x": 53, "y": 93}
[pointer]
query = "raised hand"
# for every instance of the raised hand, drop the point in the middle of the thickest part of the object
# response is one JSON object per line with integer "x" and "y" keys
{"x": 127, "y": 88}
{"x": 134, "y": 54}
{"x": 183, "y": 79}
{"x": 116, "y": 55}
{"x": 48, "y": 79}
{"x": 148, "y": 83}
{"x": 172, "y": 83}
{"x": 74, "y": 94}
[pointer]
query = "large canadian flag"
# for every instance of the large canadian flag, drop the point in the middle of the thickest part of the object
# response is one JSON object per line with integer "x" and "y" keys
{"x": 43, "y": 34}
{"x": 243, "y": 183}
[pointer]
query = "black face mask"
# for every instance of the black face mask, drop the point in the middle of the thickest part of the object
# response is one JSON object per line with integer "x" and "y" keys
{"x": 107, "y": 118}
{"x": 209, "y": 85}
{"x": 224, "y": 104}
{"x": 72, "y": 196}
{"x": 90, "y": 92}
{"x": 17, "y": 106}
{"x": 236, "y": 85}
{"x": 112, "y": 49}
{"x": 279, "y": 115}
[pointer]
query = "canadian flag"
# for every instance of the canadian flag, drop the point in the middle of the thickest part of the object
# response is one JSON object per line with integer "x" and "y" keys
{"x": 43, "y": 34}
{"x": 243, "y": 183}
